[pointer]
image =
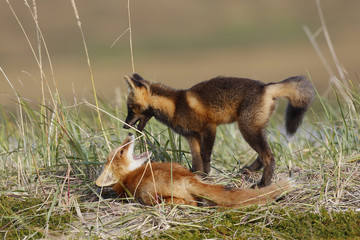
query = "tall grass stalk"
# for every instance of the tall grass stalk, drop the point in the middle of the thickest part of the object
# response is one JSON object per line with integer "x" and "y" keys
{"x": 90, "y": 69}
{"x": 130, "y": 37}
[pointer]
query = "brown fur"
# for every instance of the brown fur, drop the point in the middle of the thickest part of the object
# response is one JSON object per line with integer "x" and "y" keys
{"x": 151, "y": 183}
{"x": 196, "y": 112}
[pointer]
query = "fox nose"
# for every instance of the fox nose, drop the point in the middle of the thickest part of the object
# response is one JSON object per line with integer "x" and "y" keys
{"x": 130, "y": 135}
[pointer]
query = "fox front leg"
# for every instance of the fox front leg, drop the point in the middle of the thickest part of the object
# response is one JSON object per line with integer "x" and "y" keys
{"x": 207, "y": 144}
{"x": 195, "y": 146}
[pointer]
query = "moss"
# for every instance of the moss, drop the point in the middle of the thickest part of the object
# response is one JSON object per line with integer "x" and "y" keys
{"x": 338, "y": 225}
{"x": 283, "y": 223}
{"x": 25, "y": 216}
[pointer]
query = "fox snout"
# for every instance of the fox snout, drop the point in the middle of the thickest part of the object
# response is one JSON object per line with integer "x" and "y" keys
{"x": 131, "y": 121}
{"x": 126, "y": 125}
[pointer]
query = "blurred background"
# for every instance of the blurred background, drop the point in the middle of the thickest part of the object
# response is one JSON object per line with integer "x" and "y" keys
{"x": 178, "y": 43}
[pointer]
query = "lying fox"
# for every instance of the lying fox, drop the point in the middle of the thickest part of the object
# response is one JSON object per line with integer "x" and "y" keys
{"x": 195, "y": 113}
{"x": 173, "y": 183}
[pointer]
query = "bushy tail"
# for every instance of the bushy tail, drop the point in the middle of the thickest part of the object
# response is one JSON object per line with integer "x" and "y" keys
{"x": 237, "y": 197}
{"x": 300, "y": 94}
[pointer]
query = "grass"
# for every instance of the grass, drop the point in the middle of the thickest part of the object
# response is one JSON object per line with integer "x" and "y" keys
{"x": 50, "y": 155}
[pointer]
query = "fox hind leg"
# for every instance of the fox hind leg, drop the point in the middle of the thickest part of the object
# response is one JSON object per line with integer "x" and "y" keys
{"x": 256, "y": 139}
{"x": 181, "y": 201}
{"x": 255, "y": 166}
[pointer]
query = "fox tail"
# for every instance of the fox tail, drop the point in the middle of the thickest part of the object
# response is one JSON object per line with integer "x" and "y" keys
{"x": 237, "y": 197}
{"x": 300, "y": 94}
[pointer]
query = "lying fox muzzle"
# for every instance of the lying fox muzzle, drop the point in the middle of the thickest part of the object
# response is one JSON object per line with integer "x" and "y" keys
{"x": 120, "y": 161}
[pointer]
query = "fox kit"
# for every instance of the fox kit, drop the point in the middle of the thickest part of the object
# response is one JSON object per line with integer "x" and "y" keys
{"x": 195, "y": 113}
{"x": 173, "y": 183}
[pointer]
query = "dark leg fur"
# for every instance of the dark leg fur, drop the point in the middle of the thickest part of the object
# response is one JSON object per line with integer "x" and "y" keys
{"x": 255, "y": 166}
{"x": 268, "y": 171}
{"x": 256, "y": 140}
{"x": 195, "y": 146}
{"x": 207, "y": 143}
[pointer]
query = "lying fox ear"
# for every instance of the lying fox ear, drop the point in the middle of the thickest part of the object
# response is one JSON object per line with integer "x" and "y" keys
{"x": 106, "y": 178}
{"x": 135, "y": 81}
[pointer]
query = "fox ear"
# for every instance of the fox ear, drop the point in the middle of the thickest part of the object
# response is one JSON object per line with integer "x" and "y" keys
{"x": 135, "y": 81}
{"x": 132, "y": 83}
{"x": 137, "y": 77}
{"x": 106, "y": 178}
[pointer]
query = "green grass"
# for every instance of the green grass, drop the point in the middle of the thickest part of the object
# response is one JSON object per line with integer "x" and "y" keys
{"x": 30, "y": 216}
{"x": 51, "y": 153}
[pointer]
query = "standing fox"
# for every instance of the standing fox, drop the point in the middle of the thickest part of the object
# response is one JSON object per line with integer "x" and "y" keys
{"x": 173, "y": 183}
{"x": 195, "y": 113}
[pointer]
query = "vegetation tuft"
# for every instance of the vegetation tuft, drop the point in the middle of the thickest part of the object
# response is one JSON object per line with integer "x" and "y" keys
{"x": 29, "y": 216}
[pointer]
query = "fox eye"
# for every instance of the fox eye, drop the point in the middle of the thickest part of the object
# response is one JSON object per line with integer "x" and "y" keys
{"x": 121, "y": 152}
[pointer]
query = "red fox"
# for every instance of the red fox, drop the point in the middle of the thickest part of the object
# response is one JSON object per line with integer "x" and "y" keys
{"x": 195, "y": 113}
{"x": 173, "y": 183}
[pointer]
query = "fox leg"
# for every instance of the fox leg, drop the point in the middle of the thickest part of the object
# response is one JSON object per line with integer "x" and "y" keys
{"x": 147, "y": 199}
{"x": 181, "y": 201}
{"x": 255, "y": 166}
{"x": 195, "y": 146}
{"x": 256, "y": 139}
{"x": 207, "y": 144}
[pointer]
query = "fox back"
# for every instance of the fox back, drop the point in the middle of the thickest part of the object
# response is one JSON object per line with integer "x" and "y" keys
{"x": 216, "y": 101}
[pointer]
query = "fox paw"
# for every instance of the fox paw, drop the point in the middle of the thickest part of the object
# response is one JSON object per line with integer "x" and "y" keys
{"x": 261, "y": 184}
{"x": 245, "y": 171}
{"x": 199, "y": 173}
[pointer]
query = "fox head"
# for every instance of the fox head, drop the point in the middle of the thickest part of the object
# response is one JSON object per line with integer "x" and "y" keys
{"x": 120, "y": 162}
{"x": 139, "y": 110}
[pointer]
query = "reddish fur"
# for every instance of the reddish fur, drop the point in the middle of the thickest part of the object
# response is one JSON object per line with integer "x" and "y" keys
{"x": 173, "y": 183}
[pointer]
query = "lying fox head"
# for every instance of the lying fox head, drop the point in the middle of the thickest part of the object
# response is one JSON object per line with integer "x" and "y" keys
{"x": 120, "y": 162}
{"x": 137, "y": 102}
